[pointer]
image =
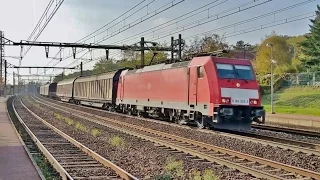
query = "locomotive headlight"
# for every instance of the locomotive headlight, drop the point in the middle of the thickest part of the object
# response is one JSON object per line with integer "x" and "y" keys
{"x": 225, "y": 100}
{"x": 254, "y": 102}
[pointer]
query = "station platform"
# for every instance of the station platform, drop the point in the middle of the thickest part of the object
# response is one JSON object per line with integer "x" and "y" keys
{"x": 294, "y": 120}
{"x": 14, "y": 161}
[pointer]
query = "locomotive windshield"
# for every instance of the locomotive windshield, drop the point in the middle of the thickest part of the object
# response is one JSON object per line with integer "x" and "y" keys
{"x": 230, "y": 71}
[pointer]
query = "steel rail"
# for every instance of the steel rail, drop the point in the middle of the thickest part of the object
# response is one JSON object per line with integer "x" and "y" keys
{"x": 122, "y": 173}
{"x": 178, "y": 140}
{"x": 294, "y": 145}
{"x": 56, "y": 165}
{"x": 24, "y": 142}
{"x": 288, "y": 130}
{"x": 314, "y": 148}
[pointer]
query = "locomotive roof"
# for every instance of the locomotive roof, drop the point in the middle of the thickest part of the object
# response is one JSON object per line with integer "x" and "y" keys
{"x": 160, "y": 67}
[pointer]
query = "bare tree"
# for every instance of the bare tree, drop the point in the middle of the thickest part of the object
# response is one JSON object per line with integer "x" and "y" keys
{"x": 209, "y": 43}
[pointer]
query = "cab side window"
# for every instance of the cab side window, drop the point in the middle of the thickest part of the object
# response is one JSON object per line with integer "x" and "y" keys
{"x": 200, "y": 72}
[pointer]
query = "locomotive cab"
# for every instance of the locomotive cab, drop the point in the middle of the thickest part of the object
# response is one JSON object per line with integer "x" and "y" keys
{"x": 237, "y": 98}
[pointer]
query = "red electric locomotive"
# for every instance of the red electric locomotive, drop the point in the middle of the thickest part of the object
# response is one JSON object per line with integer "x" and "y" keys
{"x": 209, "y": 91}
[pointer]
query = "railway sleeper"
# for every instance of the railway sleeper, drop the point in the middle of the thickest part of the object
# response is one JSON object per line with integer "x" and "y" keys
{"x": 266, "y": 170}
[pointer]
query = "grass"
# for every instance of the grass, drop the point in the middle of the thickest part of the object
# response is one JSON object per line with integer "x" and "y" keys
{"x": 174, "y": 167}
{"x": 77, "y": 125}
{"x": 163, "y": 177}
{"x": 37, "y": 105}
{"x": 95, "y": 132}
{"x": 80, "y": 127}
{"x": 117, "y": 141}
{"x": 295, "y": 100}
{"x": 57, "y": 115}
{"x": 69, "y": 121}
{"x": 206, "y": 175}
{"x": 45, "y": 166}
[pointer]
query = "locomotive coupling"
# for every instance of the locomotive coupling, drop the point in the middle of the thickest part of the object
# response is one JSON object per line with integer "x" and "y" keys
{"x": 226, "y": 111}
{"x": 259, "y": 112}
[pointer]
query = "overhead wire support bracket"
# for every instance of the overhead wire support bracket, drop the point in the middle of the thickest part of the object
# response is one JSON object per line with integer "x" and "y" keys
{"x": 87, "y": 46}
{"x": 46, "y": 48}
{"x": 44, "y": 67}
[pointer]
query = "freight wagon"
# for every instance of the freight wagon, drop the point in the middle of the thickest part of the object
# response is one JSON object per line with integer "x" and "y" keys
{"x": 49, "y": 90}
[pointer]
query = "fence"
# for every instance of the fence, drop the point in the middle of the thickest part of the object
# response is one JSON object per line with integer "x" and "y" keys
{"x": 301, "y": 79}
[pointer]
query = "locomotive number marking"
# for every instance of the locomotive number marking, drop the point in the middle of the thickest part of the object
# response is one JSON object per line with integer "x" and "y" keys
{"x": 240, "y": 101}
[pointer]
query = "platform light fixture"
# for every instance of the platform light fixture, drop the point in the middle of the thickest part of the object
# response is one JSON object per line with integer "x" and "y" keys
{"x": 271, "y": 64}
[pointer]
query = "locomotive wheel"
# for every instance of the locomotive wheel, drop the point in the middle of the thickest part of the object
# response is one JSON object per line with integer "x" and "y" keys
{"x": 200, "y": 123}
{"x": 263, "y": 119}
{"x": 180, "y": 121}
{"x": 129, "y": 112}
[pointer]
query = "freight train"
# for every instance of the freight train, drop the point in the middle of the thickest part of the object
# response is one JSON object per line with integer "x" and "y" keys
{"x": 208, "y": 91}
{"x": 49, "y": 90}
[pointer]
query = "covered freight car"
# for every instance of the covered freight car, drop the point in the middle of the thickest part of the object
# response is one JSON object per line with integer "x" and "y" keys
{"x": 96, "y": 90}
{"x": 49, "y": 90}
{"x": 65, "y": 89}
{"x": 42, "y": 90}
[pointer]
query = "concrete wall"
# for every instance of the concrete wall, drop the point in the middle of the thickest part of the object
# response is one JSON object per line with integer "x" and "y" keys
{"x": 294, "y": 120}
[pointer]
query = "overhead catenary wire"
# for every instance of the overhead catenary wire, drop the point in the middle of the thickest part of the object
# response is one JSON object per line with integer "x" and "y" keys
{"x": 264, "y": 26}
{"x": 41, "y": 18}
{"x": 93, "y": 33}
{"x": 161, "y": 26}
{"x": 160, "y": 10}
{"x": 233, "y": 25}
{"x": 184, "y": 28}
{"x": 237, "y": 8}
{"x": 34, "y": 36}
{"x": 137, "y": 21}
{"x": 260, "y": 17}
{"x": 269, "y": 25}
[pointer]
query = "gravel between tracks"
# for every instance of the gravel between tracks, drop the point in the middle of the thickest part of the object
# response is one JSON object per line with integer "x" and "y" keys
{"x": 316, "y": 129}
{"x": 310, "y": 162}
{"x": 313, "y": 140}
{"x": 141, "y": 158}
{"x": 35, "y": 125}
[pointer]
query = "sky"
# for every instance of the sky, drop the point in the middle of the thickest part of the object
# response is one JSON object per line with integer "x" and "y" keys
{"x": 76, "y": 19}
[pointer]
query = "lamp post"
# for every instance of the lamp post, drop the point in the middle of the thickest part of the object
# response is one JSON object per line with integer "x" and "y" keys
{"x": 245, "y": 47}
{"x": 271, "y": 62}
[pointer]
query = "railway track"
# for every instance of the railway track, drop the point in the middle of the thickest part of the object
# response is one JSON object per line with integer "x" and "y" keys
{"x": 306, "y": 147}
{"x": 302, "y": 132}
{"x": 256, "y": 166}
{"x": 71, "y": 159}
{"x": 294, "y": 145}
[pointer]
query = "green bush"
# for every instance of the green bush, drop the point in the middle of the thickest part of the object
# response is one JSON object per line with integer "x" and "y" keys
{"x": 95, "y": 132}
{"x": 265, "y": 89}
{"x": 80, "y": 127}
{"x": 163, "y": 177}
{"x": 117, "y": 141}
{"x": 174, "y": 167}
